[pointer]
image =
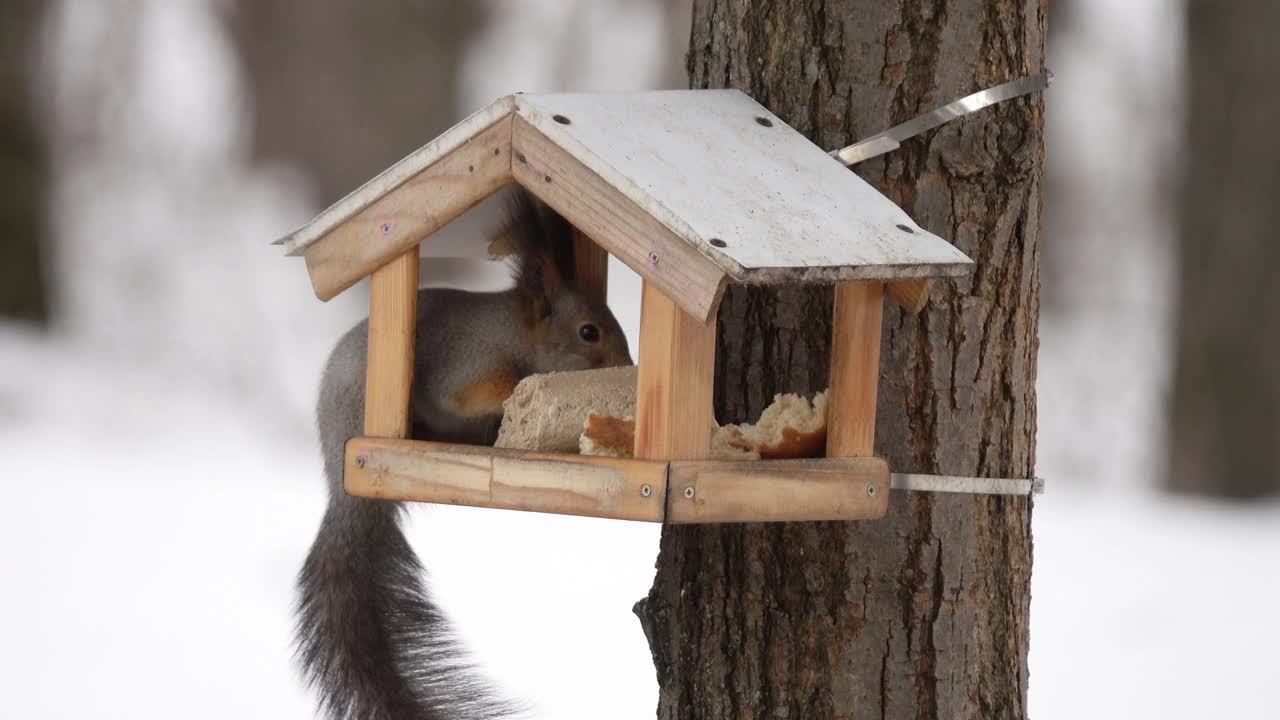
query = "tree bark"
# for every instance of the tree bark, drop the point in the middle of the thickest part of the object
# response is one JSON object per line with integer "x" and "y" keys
{"x": 1224, "y": 435}
{"x": 923, "y": 614}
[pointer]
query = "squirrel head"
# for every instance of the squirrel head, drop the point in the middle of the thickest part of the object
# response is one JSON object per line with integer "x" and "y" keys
{"x": 576, "y": 334}
{"x": 567, "y": 330}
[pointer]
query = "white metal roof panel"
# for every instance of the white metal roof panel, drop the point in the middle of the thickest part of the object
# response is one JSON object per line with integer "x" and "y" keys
{"x": 716, "y": 168}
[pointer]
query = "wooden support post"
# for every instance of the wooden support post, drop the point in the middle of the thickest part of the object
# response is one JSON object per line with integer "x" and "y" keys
{"x": 674, "y": 417}
{"x": 393, "y": 316}
{"x": 855, "y": 369}
{"x": 591, "y": 267}
{"x": 911, "y": 295}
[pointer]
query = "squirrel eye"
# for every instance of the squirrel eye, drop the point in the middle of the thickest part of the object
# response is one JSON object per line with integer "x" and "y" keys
{"x": 589, "y": 332}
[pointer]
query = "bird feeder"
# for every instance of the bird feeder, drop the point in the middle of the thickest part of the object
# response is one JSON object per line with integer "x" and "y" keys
{"x": 692, "y": 190}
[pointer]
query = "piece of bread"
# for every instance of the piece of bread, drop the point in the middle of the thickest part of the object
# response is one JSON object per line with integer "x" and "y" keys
{"x": 607, "y": 436}
{"x": 791, "y": 427}
{"x": 547, "y": 412}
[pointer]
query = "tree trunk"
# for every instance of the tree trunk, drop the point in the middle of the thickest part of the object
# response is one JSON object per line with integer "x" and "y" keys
{"x": 922, "y": 614}
{"x": 1225, "y": 416}
{"x": 24, "y": 169}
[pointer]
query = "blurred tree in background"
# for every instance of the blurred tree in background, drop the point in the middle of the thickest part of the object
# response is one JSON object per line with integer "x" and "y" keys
{"x": 342, "y": 89}
{"x": 24, "y": 168}
{"x": 1225, "y": 416}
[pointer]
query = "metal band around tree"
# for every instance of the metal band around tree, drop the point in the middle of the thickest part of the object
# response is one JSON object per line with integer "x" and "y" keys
{"x": 970, "y": 485}
{"x": 883, "y": 142}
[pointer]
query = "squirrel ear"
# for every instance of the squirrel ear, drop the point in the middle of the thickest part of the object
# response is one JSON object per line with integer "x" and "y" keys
{"x": 548, "y": 270}
{"x": 558, "y": 247}
{"x": 538, "y": 280}
{"x": 543, "y": 244}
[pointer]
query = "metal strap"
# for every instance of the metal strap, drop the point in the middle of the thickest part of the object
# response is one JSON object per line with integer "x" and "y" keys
{"x": 883, "y": 142}
{"x": 973, "y": 486}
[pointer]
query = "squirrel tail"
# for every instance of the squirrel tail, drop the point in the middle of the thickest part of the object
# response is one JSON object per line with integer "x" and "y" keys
{"x": 369, "y": 639}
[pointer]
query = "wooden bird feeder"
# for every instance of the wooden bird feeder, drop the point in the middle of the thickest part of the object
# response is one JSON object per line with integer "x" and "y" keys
{"x": 692, "y": 190}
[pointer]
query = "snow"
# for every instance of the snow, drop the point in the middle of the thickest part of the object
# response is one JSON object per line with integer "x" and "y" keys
{"x": 149, "y": 538}
{"x": 1146, "y": 606}
{"x": 162, "y": 479}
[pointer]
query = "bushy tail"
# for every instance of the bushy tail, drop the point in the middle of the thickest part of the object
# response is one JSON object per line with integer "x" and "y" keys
{"x": 370, "y": 641}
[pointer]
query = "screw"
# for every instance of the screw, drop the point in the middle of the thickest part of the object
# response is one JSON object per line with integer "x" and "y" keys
{"x": 646, "y": 491}
{"x": 764, "y": 121}
{"x": 360, "y": 461}
{"x": 560, "y": 119}
{"x": 688, "y": 492}
{"x": 871, "y": 490}
{"x": 653, "y": 258}
{"x": 906, "y": 229}
{"x": 717, "y": 242}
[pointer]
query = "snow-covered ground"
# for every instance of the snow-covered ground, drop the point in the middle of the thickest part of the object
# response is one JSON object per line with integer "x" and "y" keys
{"x": 1145, "y": 606}
{"x": 162, "y": 482}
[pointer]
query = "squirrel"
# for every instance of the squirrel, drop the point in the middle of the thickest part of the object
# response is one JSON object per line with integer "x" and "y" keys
{"x": 369, "y": 639}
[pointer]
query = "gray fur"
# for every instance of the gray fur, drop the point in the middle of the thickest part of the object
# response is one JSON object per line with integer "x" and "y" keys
{"x": 370, "y": 640}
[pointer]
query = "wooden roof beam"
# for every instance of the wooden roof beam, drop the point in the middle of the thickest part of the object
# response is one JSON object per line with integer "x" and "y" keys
{"x": 621, "y": 226}
{"x": 420, "y": 205}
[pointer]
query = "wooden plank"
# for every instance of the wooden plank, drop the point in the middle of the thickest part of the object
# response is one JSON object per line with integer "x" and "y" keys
{"x": 393, "y": 315}
{"x": 395, "y": 176}
{"x": 740, "y": 187}
{"x": 911, "y": 295}
{"x": 777, "y": 490}
{"x": 626, "y": 230}
{"x": 591, "y": 267}
{"x": 445, "y": 473}
{"x": 417, "y": 207}
{"x": 674, "y": 416}
{"x": 855, "y": 369}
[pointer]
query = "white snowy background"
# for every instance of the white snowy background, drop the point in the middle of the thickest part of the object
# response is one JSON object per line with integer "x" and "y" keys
{"x": 160, "y": 472}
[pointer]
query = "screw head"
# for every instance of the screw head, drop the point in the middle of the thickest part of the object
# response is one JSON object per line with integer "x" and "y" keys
{"x": 871, "y": 490}
{"x": 645, "y": 491}
{"x": 561, "y": 119}
{"x": 360, "y": 461}
{"x": 764, "y": 121}
{"x": 717, "y": 242}
{"x": 653, "y": 258}
{"x": 688, "y": 492}
{"x": 906, "y": 229}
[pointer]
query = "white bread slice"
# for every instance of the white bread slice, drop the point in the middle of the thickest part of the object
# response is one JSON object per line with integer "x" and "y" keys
{"x": 546, "y": 412}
